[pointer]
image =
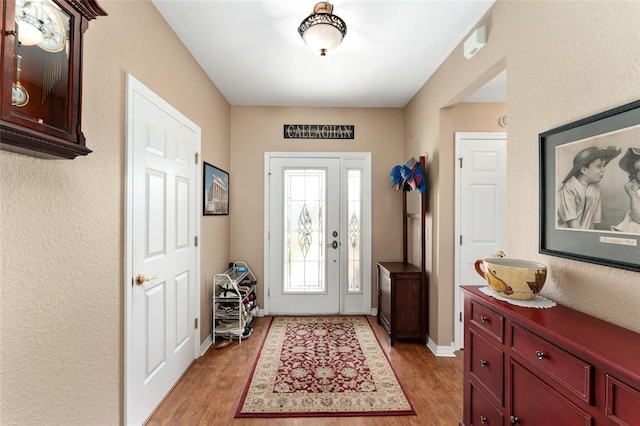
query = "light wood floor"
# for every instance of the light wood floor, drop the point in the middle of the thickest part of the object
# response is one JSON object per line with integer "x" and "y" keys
{"x": 210, "y": 390}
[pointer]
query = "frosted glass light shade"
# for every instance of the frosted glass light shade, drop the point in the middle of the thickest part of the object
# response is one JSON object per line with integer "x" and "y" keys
{"x": 322, "y": 36}
{"x": 322, "y": 30}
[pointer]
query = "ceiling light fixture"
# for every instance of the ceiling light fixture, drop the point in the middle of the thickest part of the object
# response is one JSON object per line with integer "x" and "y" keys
{"x": 322, "y": 30}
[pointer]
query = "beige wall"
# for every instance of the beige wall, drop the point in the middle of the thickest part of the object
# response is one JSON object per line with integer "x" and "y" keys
{"x": 256, "y": 130}
{"x": 558, "y": 72}
{"x": 461, "y": 117}
{"x": 62, "y": 229}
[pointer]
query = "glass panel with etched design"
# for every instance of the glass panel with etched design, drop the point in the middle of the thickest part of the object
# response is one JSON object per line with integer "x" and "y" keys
{"x": 304, "y": 241}
{"x": 354, "y": 230}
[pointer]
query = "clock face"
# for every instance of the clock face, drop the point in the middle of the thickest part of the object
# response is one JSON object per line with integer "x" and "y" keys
{"x": 44, "y": 17}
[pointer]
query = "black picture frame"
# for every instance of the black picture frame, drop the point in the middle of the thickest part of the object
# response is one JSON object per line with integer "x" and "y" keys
{"x": 215, "y": 183}
{"x": 608, "y": 240}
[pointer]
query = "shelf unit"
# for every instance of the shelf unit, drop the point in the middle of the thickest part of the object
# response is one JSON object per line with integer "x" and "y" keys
{"x": 234, "y": 301}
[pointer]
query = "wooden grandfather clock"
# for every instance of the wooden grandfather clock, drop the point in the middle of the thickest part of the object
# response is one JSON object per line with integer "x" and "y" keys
{"x": 41, "y": 86}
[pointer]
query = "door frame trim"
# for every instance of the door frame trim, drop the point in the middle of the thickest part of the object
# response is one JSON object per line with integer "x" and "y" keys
{"x": 131, "y": 86}
{"x": 366, "y": 217}
{"x": 459, "y": 138}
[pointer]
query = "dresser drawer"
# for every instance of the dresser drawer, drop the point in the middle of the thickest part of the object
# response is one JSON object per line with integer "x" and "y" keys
{"x": 487, "y": 365}
{"x": 482, "y": 411}
{"x": 487, "y": 320}
{"x": 622, "y": 402}
{"x": 571, "y": 372}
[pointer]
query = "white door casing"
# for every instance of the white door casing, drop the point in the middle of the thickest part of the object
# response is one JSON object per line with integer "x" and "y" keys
{"x": 481, "y": 210}
{"x": 162, "y": 259}
{"x": 337, "y": 299}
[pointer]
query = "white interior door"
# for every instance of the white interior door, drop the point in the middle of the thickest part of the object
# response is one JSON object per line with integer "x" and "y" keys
{"x": 304, "y": 240}
{"x": 481, "y": 209}
{"x": 162, "y": 283}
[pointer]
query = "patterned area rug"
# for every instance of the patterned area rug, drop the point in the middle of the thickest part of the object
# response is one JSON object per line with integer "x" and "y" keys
{"x": 322, "y": 366}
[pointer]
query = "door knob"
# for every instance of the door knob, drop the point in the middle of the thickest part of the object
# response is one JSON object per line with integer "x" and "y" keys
{"x": 334, "y": 244}
{"x": 141, "y": 279}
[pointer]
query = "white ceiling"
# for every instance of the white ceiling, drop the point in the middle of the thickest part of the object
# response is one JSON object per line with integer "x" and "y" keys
{"x": 252, "y": 52}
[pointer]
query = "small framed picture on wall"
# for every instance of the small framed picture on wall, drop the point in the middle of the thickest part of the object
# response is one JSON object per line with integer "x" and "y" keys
{"x": 216, "y": 191}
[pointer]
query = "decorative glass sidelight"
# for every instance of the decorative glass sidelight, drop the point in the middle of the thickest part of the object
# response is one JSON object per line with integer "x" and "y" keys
{"x": 304, "y": 226}
{"x": 354, "y": 231}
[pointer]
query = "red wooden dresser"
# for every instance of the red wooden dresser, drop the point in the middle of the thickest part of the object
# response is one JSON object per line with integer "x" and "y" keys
{"x": 554, "y": 366}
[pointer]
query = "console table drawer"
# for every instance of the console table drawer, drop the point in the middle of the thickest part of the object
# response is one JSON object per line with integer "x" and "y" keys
{"x": 487, "y": 320}
{"x": 487, "y": 365}
{"x": 482, "y": 411}
{"x": 571, "y": 372}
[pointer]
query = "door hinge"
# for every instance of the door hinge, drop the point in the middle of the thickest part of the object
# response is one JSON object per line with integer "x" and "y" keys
{"x": 268, "y": 292}
{"x": 195, "y": 241}
{"x": 197, "y": 157}
{"x": 460, "y": 160}
{"x": 460, "y": 239}
{"x": 195, "y": 323}
{"x": 460, "y": 316}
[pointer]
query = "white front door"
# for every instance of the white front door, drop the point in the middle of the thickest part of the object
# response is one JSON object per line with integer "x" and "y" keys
{"x": 481, "y": 209}
{"x": 162, "y": 260}
{"x": 317, "y": 248}
{"x": 305, "y": 267}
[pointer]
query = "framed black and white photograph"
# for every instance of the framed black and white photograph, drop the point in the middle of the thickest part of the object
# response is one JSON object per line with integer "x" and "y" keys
{"x": 590, "y": 189}
{"x": 216, "y": 191}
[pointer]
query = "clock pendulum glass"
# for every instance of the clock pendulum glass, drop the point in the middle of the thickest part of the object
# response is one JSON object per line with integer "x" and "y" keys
{"x": 42, "y": 63}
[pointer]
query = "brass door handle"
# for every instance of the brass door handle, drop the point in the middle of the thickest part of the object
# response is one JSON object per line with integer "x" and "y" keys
{"x": 141, "y": 279}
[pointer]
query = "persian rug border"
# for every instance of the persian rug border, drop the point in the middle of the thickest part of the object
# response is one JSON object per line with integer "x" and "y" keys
{"x": 359, "y": 413}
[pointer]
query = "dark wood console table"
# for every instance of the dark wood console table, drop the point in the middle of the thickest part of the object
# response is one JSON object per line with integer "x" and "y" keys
{"x": 400, "y": 301}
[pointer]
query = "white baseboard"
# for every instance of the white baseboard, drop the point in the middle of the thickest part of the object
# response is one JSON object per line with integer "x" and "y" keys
{"x": 374, "y": 312}
{"x": 206, "y": 344}
{"x": 444, "y": 351}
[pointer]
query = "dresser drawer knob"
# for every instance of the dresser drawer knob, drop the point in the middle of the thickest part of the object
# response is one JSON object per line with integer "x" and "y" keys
{"x": 484, "y": 420}
{"x": 483, "y": 363}
{"x": 514, "y": 420}
{"x": 483, "y": 319}
{"x": 540, "y": 355}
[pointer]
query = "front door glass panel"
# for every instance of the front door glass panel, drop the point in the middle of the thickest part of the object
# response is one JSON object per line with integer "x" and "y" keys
{"x": 304, "y": 231}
